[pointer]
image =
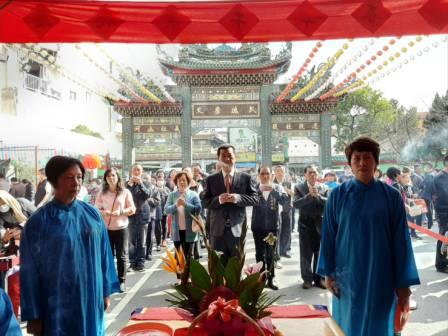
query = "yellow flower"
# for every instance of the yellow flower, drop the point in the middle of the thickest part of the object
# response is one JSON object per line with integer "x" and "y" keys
{"x": 170, "y": 264}
{"x": 180, "y": 260}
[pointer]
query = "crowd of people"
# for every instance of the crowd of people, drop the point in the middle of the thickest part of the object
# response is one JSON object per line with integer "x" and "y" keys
{"x": 353, "y": 234}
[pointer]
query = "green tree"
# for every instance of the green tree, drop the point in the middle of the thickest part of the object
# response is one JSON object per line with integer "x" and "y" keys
{"x": 435, "y": 142}
{"x": 24, "y": 170}
{"x": 83, "y": 129}
{"x": 364, "y": 112}
{"x": 438, "y": 113}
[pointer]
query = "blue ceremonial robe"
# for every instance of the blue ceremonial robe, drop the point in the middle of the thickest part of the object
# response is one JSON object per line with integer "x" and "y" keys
{"x": 8, "y": 323}
{"x": 67, "y": 269}
{"x": 366, "y": 247}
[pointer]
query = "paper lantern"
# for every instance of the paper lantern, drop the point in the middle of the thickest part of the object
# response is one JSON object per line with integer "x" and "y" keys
{"x": 91, "y": 161}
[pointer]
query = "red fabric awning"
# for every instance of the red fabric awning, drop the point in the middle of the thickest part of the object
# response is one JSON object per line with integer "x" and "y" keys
{"x": 216, "y": 21}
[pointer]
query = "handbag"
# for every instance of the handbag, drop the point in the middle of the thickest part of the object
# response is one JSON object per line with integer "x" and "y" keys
{"x": 112, "y": 210}
{"x": 414, "y": 210}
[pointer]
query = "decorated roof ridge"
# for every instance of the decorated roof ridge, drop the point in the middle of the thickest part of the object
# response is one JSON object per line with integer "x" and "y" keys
{"x": 332, "y": 100}
{"x": 225, "y": 51}
{"x": 301, "y": 106}
{"x": 248, "y": 56}
{"x": 164, "y": 103}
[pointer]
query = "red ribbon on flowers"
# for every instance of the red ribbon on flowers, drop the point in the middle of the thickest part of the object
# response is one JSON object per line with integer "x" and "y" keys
{"x": 224, "y": 308}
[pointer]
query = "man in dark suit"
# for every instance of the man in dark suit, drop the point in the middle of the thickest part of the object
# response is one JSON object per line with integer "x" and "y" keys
{"x": 310, "y": 198}
{"x": 226, "y": 195}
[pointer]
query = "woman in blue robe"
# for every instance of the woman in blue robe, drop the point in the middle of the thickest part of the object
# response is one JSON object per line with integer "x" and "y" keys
{"x": 8, "y": 323}
{"x": 366, "y": 253}
{"x": 67, "y": 268}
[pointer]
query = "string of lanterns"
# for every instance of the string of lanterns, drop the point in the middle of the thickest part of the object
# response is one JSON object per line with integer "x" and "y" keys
{"x": 299, "y": 73}
{"x": 107, "y": 73}
{"x": 29, "y": 50}
{"x": 347, "y": 64}
{"x": 359, "y": 83}
{"x": 330, "y": 63}
{"x": 130, "y": 77}
{"x": 405, "y": 61}
{"x": 354, "y": 74}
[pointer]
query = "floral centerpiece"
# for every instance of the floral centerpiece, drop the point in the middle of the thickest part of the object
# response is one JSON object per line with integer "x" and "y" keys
{"x": 221, "y": 299}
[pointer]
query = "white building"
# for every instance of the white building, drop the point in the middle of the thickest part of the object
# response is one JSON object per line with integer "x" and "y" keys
{"x": 40, "y": 103}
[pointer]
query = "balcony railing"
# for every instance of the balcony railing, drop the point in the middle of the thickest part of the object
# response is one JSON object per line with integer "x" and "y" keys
{"x": 38, "y": 84}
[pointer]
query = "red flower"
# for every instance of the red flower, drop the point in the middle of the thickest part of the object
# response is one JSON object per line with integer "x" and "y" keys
{"x": 224, "y": 308}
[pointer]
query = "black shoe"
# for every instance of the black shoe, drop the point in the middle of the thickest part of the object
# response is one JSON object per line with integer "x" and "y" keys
{"x": 159, "y": 248}
{"x": 442, "y": 270}
{"x": 139, "y": 268}
{"x": 320, "y": 284}
{"x": 286, "y": 255}
{"x": 306, "y": 285}
{"x": 149, "y": 257}
{"x": 271, "y": 284}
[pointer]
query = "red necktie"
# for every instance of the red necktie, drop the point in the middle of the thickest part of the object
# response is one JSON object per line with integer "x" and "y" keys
{"x": 228, "y": 183}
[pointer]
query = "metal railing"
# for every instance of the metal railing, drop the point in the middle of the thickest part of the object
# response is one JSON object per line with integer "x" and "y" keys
{"x": 38, "y": 84}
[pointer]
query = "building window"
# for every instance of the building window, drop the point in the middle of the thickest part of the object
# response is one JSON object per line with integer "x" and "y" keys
{"x": 73, "y": 95}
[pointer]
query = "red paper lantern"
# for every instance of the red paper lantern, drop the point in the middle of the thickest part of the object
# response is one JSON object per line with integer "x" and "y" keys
{"x": 91, "y": 161}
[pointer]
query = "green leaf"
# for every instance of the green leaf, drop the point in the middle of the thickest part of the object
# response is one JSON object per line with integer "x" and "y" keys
{"x": 195, "y": 293}
{"x": 249, "y": 282}
{"x": 182, "y": 289}
{"x": 199, "y": 276}
{"x": 232, "y": 273}
{"x": 216, "y": 269}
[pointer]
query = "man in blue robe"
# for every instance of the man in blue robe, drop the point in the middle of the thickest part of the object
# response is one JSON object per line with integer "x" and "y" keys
{"x": 366, "y": 253}
{"x": 67, "y": 268}
{"x": 8, "y": 322}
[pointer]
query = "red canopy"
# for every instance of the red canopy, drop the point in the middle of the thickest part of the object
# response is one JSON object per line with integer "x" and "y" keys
{"x": 216, "y": 21}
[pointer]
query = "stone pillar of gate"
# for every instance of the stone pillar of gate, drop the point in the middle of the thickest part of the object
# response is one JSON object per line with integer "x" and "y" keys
{"x": 266, "y": 125}
{"x": 186, "y": 138}
{"x": 325, "y": 140}
{"x": 128, "y": 157}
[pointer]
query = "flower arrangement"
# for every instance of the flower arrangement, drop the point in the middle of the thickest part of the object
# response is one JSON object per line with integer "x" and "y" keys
{"x": 220, "y": 298}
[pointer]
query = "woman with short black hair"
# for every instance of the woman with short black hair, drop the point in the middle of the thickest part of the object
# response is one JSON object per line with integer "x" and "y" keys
{"x": 181, "y": 204}
{"x": 67, "y": 268}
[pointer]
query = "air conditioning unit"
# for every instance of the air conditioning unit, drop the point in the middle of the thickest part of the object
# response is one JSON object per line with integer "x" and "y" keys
{"x": 4, "y": 55}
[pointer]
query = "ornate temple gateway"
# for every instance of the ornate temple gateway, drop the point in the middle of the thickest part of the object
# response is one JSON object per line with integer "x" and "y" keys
{"x": 218, "y": 88}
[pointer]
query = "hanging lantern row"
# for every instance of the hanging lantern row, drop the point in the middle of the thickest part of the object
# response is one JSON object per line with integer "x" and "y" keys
{"x": 130, "y": 77}
{"x": 402, "y": 63}
{"x": 347, "y": 64}
{"x": 107, "y": 73}
{"x": 379, "y": 67}
{"x": 299, "y": 73}
{"x": 42, "y": 54}
{"x": 355, "y": 73}
{"x": 63, "y": 72}
{"x": 330, "y": 63}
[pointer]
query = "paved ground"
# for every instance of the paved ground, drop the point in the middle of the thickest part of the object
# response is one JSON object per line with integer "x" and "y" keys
{"x": 430, "y": 319}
